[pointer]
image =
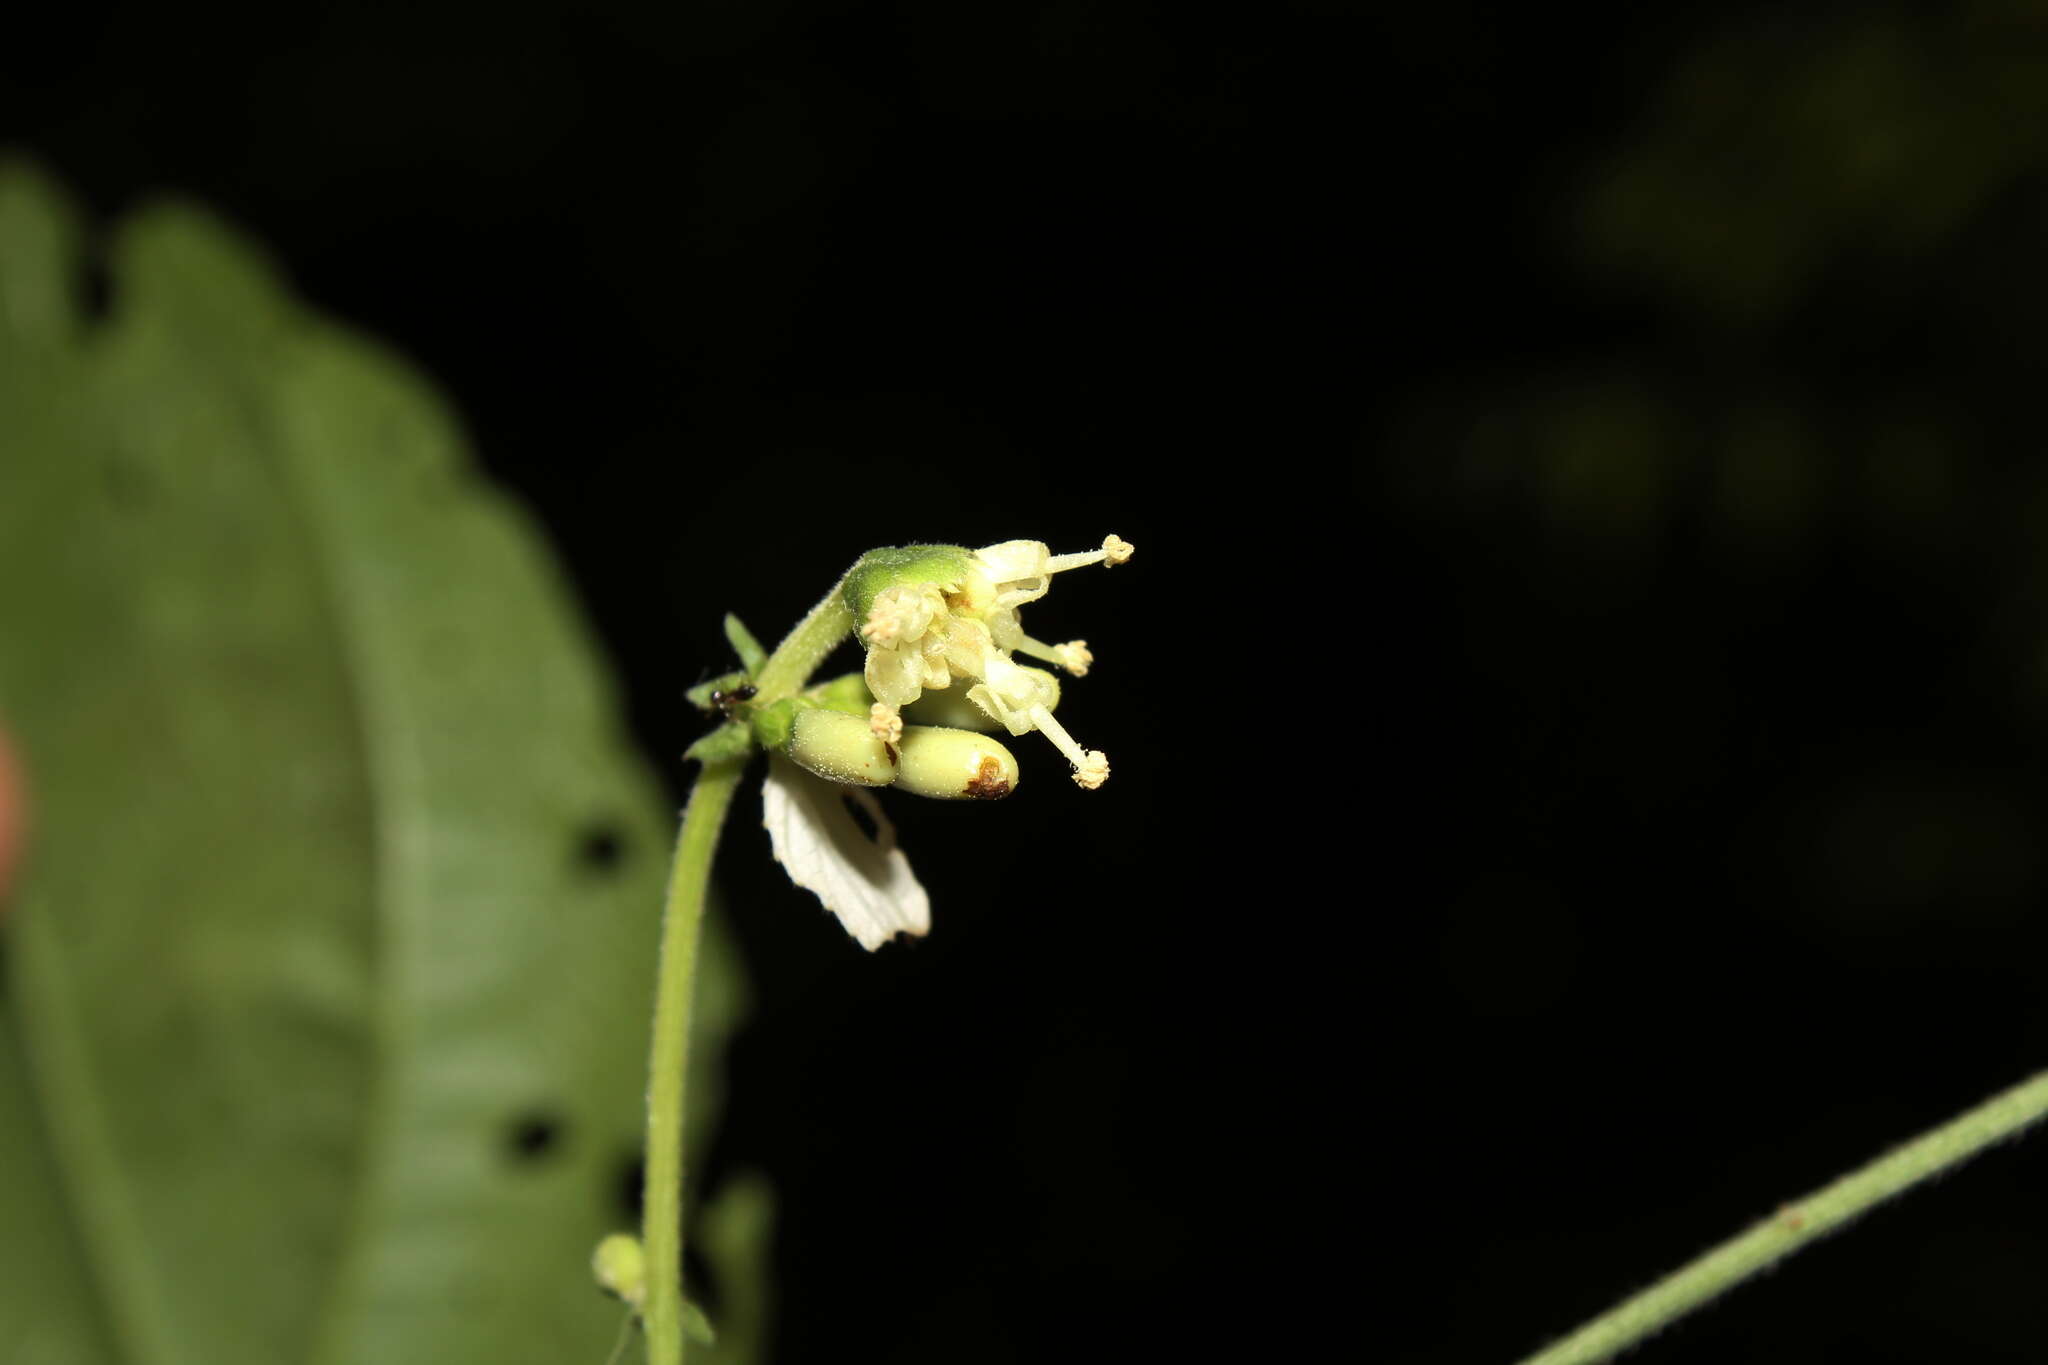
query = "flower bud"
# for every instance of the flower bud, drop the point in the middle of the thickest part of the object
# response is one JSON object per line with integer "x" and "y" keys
{"x": 620, "y": 1266}
{"x": 841, "y": 748}
{"x": 953, "y": 764}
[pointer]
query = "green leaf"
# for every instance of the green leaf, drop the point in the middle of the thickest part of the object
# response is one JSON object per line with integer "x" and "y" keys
{"x": 696, "y": 1326}
{"x": 743, "y": 643}
{"x": 730, "y": 740}
{"x": 733, "y": 1235}
{"x": 329, "y": 982}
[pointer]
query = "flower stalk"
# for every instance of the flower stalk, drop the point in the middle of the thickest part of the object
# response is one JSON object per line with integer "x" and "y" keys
{"x": 682, "y": 919}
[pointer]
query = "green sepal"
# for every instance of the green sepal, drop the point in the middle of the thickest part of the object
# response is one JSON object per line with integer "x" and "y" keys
{"x": 848, "y": 692}
{"x": 730, "y": 740}
{"x": 700, "y": 695}
{"x": 774, "y": 724}
{"x": 893, "y": 564}
{"x": 743, "y": 643}
{"x": 696, "y": 1326}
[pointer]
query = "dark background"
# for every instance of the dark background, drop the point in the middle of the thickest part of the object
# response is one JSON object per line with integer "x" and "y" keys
{"x": 1578, "y": 706}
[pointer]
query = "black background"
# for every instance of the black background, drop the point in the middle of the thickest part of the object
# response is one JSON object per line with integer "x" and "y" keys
{"x": 1577, "y": 708}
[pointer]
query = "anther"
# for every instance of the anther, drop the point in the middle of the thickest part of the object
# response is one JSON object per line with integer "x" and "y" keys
{"x": 1115, "y": 550}
{"x": 885, "y": 722}
{"x": 1091, "y": 766}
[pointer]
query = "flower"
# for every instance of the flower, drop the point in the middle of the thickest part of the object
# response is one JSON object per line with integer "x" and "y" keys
{"x": 930, "y": 614}
{"x": 927, "y": 616}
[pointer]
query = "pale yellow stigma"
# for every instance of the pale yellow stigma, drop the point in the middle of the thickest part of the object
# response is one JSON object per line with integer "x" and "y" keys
{"x": 1091, "y": 766}
{"x": 885, "y": 723}
{"x": 1115, "y": 550}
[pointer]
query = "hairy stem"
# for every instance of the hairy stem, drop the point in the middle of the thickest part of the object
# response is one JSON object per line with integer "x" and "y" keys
{"x": 1797, "y": 1224}
{"x": 661, "y": 1206}
{"x": 804, "y": 648}
{"x": 661, "y": 1226}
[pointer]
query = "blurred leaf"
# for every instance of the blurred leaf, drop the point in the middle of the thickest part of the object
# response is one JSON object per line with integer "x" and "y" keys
{"x": 330, "y": 970}
{"x": 734, "y": 1235}
{"x": 1776, "y": 152}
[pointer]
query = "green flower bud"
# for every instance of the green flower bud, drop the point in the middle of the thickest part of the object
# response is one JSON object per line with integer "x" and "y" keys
{"x": 620, "y": 1266}
{"x": 841, "y": 748}
{"x": 953, "y": 764}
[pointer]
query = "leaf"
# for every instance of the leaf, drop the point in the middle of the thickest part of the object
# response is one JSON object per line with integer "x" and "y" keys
{"x": 696, "y": 1326}
{"x": 330, "y": 972}
{"x": 743, "y": 643}
{"x": 865, "y": 881}
{"x": 733, "y": 1234}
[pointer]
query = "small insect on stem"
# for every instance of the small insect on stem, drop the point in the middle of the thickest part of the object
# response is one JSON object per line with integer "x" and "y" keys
{"x": 728, "y": 702}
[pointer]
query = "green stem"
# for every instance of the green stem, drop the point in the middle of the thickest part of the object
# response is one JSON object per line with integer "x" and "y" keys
{"x": 1797, "y": 1224}
{"x": 661, "y": 1229}
{"x": 804, "y": 648}
{"x": 661, "y": 1207}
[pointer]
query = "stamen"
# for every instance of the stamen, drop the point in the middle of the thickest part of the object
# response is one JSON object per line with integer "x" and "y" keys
{"x": 1074, "y": 655}
{"x": 1115, "y": 550}
{"x": 883, "y": 625}
{"x": 901, "y": 614}
{"x": 885, "y": 723}
{"x": 1091, "y": 766}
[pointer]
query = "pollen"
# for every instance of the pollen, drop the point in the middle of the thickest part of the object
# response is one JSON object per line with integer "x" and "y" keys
{"x": 901, "y": 614}
{"x": 883, "y": 626}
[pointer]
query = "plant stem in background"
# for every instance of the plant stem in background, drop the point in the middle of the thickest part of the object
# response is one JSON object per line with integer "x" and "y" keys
{"x": 1799, "y": 1223}
{"x": 661, "y": 1227}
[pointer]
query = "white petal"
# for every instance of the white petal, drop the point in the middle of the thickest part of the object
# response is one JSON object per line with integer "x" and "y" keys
{"x": 1014, "y": 559}
{"x": 866, "y": 882}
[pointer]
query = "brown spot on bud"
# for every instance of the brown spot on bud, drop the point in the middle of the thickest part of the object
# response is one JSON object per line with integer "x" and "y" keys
{"x": 987, "y": 784}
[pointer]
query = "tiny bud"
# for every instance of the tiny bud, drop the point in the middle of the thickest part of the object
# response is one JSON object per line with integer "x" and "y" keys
{"x": 620, "y": 1267}
{"x": 841, "y": 748}
{"x": 954, "y": 765}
